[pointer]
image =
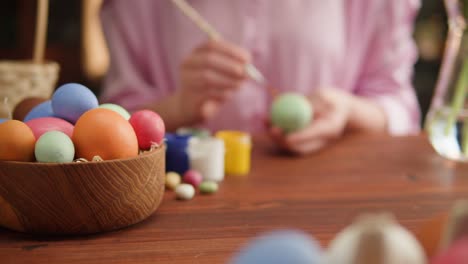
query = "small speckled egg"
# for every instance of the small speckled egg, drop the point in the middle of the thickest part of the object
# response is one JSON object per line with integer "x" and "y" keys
{"x": 208, "y": 187}
{"x": 172, "y": 180}
{"x": 39, "y": 126}
{"x": 25, "y": 106}
{"x": 185, "y": 191}
{"x": 193, "y": 177}
{"x": 43, "y": 109}
{"x": 118, "y": 109}
{"x": 54, "y": 146}
{"x": 279, "y": 247}
{"x": 3, "y": 120}
{"x": 149, "y": 128}
{"x": 380, "y": 234}
{"x": 16, "y": 141}
{"x": 291, "y": 112}
{"x": 71, "y": 100}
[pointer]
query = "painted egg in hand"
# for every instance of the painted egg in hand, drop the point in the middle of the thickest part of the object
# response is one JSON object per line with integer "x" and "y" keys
{"x": 291, "y": 112}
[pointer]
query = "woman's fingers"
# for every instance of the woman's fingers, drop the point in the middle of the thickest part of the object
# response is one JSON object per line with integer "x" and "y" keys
{"x": 320, "y": 129}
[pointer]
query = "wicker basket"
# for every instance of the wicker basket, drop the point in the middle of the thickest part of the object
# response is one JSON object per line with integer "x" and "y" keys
{"x": 22, "y": 79}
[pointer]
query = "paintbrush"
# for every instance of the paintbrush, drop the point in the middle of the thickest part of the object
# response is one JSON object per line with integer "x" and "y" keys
{"x": 190, "y": 12}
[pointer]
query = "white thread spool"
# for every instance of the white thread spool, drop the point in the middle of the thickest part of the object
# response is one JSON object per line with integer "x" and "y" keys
{"x": 206, "y": 156}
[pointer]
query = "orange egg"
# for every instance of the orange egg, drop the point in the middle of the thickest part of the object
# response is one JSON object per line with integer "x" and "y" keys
{"x": 105, "y": 133}
{"x": 430, "y": 233}
{"x": 16, "y": 141}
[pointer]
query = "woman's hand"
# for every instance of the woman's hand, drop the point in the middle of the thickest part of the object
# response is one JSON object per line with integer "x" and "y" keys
{"x": 335, "y": 112}
{"x": 208, "y": 77}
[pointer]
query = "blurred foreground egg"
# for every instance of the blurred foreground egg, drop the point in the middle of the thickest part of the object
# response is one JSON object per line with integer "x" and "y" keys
{"x": 103, "y": 132}
{"x": 39, "y": 126}
{"x": 149, "y": 128}
{"x": 71, "y": 100}
{"x": 457, "y": 253}
{"x": 43, "y": 109}
{"x": 16, "y": 141}
{"x": 25, "y": 106}
{"x": 118, "y": 109}
{"x": 54, "y": 146}
{"x": 291, "y": 112}
{"x": 279, "y": 247}
{"x": 376, "y": 239}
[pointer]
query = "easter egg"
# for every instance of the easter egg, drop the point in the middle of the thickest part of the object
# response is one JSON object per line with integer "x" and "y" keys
{"x": 25, "y": 106}
{"x": 375, "y": 239}
{"x": 54, "y": 146}
{"x": 71, "y": 100}
{"x": 193, "y": 178}
{"x": 208, "y": 187}
{"x": 16, "y": 141}
{"x": 103, "y": 132}
{"x": 172, "y": 180}
{"x": 39, "y": 126}
{"x": 185, "y": 191}
{"x": 118, "y": 109}
{"x": 278, "y": 247}
{"x": 43, "y": 109}
{"x": 430, "y": 233}
{"x": 291, "y": 112}
{"x": 149, "y": 128}
{"x": 3, "y": 120}
{"x": 457, "y": 253}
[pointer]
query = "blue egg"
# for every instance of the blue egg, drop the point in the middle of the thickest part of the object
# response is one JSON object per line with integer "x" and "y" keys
{"x": 43, "y": 109}
{"x": 284, "y": 246}
{"x": 3, "y": 120}
{"x": 71, "y": 100}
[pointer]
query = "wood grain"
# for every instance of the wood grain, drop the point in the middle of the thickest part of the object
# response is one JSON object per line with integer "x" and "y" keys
{"x": 319, "y": 194}
{"x": 80, "y": 198}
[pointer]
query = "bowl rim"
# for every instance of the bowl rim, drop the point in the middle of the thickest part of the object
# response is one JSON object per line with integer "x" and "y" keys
{"x": 74, "y": 163}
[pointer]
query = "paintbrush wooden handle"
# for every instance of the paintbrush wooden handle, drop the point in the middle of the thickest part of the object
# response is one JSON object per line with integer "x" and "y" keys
{"x": 190, "y": 12}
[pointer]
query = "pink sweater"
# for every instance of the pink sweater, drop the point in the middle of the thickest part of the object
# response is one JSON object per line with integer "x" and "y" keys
{"x": 361, "y": 46}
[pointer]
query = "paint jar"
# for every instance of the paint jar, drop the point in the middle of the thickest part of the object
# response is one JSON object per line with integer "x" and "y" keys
{"x": 206, "y": 156}
{"x": 177, "y": 159}
{"x": 238, "y": 147}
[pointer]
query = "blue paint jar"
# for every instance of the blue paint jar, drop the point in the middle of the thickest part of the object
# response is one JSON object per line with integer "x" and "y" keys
{"x": 177, "y": 158}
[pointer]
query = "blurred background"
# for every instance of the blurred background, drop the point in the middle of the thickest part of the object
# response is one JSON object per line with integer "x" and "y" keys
{"x": 76, "y": 42}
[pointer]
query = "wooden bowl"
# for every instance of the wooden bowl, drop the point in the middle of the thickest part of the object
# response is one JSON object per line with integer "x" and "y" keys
{"x": 80, "y": 198}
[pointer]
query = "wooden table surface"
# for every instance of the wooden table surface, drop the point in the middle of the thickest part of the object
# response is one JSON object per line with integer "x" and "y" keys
{"x": 319, "y": 194}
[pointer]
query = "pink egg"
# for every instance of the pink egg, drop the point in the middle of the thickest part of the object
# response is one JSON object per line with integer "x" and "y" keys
{"x": 42, "y": 125}
{"x": 193, "y": 177}
{"x": 149, "y": 128}
{"x": 455, "y": 254}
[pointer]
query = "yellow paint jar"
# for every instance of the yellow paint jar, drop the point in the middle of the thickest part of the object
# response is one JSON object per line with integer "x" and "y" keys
{"x": 238, "y": 146}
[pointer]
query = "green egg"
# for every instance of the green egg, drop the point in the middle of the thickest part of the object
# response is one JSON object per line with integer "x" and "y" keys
{"x": 291, "y": 112}
{"x": 117, "y": 108}
{"x": 54, "y": 147}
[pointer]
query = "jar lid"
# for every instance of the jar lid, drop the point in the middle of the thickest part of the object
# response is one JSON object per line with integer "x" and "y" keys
{"x": 174, "y": 141}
